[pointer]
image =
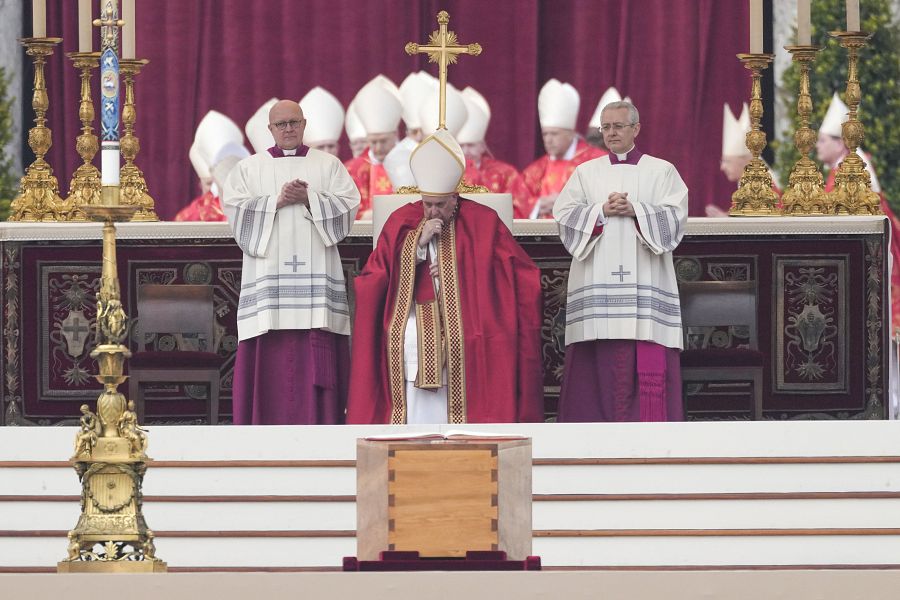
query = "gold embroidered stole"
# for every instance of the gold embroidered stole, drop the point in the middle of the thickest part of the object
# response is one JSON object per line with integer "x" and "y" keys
{"x": 430, "y": 316}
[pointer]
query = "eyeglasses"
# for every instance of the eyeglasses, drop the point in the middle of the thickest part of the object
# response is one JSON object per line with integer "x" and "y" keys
{"x": 282, "y": 125}
{"x": 615, "y": 126}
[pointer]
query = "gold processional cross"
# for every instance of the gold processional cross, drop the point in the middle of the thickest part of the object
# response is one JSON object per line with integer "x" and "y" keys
{"x": 443, "y": 48}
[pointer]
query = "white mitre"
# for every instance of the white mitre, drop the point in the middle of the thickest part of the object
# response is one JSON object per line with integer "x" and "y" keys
{"x": 378, "y": 106}
{"x": 200, "y": 166}
{"x": 836, "y": 114}
{"x": 609, "y": 96}
{"x": 215, "y": 132}
{"x": 479, "y": 116}
{"x": 558, "y": 105}
{"x": 413, "y": 92}
{"x": 257, "y": 127}
{"x": 352, "y": 125}
{"x": 734, "y": 132}
{"x": 456, "y": 115}
{"x": 438, "y": 164}
{"x": 324, "y": 116}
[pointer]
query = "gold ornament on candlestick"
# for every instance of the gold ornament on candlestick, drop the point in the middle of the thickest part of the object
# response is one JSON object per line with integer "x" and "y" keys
{"x": 805, "y": 193}
{"x": 754, "y": 196}
{"x": 84, "y": 188}
{"x": 134, "y": 187}
{"x": 443, "y": 49}
{"x": 852, "y": 194}
{"x": 38, "y": 198}
{"x": 111, "y": 535}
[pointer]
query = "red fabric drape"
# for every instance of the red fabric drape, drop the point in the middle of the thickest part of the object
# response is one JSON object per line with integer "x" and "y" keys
{"x": 674, "y": 58}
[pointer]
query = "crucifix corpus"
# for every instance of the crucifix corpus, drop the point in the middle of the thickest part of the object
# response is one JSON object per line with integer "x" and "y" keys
{"x": 443, "y": 48}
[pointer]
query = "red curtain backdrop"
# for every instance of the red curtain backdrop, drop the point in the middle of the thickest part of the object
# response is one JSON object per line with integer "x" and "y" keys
{"x": 674, "y": 58}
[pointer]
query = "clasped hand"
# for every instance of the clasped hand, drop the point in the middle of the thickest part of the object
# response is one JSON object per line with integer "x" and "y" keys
{"x": 618, "y": 205}
{"x": 294, "y": 192}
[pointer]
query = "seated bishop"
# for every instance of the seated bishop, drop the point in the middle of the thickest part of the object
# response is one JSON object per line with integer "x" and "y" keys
{"x": 558, "y": 105}
{"x": 481, "y": 166}
{"x": 378, "y": 107}
{"x": 324, "y": 120}
{"x": 448, "y": 310}
{"x": 218, "y": 145}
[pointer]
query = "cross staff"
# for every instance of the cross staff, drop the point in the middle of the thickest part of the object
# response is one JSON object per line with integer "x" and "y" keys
{"x": 443, "y": 48}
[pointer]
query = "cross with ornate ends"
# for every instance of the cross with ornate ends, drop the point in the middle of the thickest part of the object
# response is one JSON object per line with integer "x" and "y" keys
{"x": 443, "y": 48}
{"x": 109, "y": 24}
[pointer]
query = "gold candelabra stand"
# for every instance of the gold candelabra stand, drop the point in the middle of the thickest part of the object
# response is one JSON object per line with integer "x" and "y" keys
{"x": 134, "y": 187}
{"x": 805, "y": 193}
{"x": 38, "y": 198}
{"x": 85, "y": 186}
{"x": 111, "y": 535}
{"x": 754, "y": 196}
{"x": 852, "y": 194}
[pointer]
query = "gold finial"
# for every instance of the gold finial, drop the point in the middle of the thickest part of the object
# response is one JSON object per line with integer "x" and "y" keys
{"x": 443, "y": 48}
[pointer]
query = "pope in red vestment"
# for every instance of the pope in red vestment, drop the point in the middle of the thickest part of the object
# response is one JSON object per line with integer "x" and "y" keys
{"x": 500, "y": 178}
{"x": 490, "y": 296}
{"x": 546, "y": 176}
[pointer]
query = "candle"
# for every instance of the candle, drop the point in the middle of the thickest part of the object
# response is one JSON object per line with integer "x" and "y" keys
{"x": 803, "y": 23}
{"x": 85, "y": 28}
{"x": 756, "y": 32}
{"x": 853, "y": 15}
{"x": 128, "y": 29}
{"x": 39, "y": 18}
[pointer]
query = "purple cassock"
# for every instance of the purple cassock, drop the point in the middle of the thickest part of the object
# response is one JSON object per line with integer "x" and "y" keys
{"x": 620, "y": 380}
{"x": 291, "y": 376}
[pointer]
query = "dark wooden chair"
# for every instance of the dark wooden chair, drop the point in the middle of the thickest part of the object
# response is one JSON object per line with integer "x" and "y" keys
{"x": 710, "y": 304}
{"x": 177, "y": 310}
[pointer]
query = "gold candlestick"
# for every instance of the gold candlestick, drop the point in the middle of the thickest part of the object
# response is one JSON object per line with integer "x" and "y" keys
{"x": 852, "y": 194}
{"x": 85, "y": 186}
{"x": 38, "y": 198}
{"x": 805, "y": 194}
{"x": 134, "y": 187}
{"x": 110, "y": 448}
{"x": 754, "y": 196}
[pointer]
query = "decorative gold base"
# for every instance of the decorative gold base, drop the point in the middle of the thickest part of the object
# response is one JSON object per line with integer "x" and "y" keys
{"x": 852, "y": 194}
{"x": 805, "y": 194}
{"x": 754, "y": 196}
{"x": 104, "y": 566}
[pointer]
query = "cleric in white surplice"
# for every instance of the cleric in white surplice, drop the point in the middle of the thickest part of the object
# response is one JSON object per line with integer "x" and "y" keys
{"x": 620, "y": 217}
{"x": 288, "y": 207}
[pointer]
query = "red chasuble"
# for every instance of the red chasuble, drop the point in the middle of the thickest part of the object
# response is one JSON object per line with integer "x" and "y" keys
{"x": 371, "y": 180}
{"x": 490, "y": 297}
{"x": 203, "y": 208}
{"x": 501, "y": 178}
{"x": 544, "y": 177}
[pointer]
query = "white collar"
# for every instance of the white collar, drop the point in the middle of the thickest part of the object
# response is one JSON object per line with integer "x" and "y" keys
{"x": 289, "y": 152}
{"x": 570, "y": 153}
{"x": 624, "y": 155}
{"x": 372, "y": 158}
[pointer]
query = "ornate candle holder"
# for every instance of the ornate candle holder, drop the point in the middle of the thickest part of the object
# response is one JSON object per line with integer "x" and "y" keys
{"x": 134, "y": 187}
{"x": 805, "y": 193}
{"x": 84, "y": 188}
{"x": 38, "y": 198}
{"x": 852, "y": 194}
{"x": 111, "y": 535}
{"x": 754, "y": 196}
